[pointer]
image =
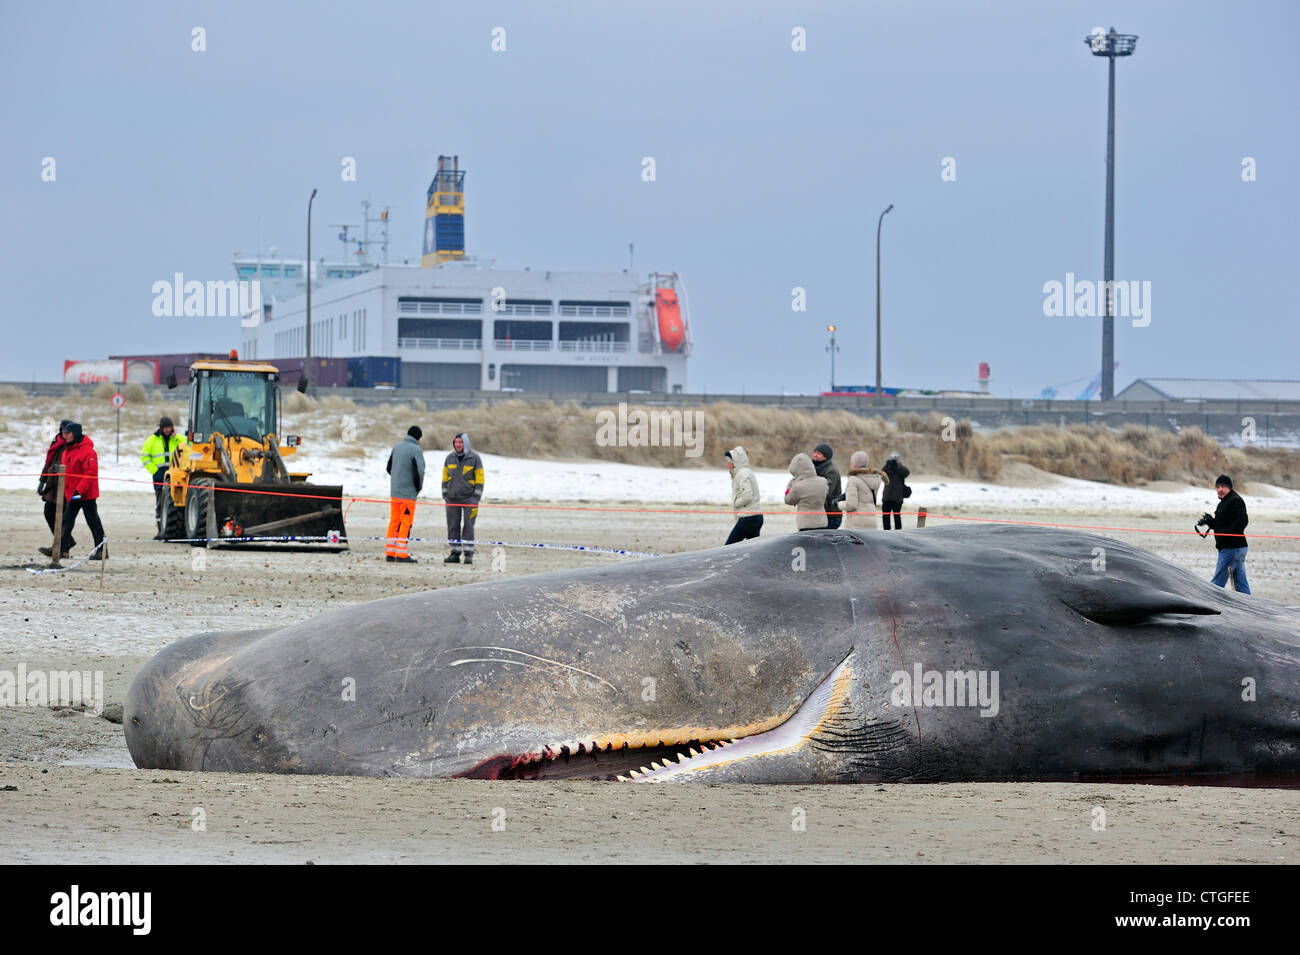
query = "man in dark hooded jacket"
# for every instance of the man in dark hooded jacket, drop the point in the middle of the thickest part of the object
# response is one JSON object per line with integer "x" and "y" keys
{"x": 462, "y": 489}
{"x": 821, "y": 456}
{"x": 891, "y": 498}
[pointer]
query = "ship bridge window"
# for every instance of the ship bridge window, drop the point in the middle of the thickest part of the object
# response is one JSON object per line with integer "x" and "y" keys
{"x": 271, "y": 270}
{"x": 442, "y": 329}
{"x": 247, "y": 271}
{"x": 291, "y": 271}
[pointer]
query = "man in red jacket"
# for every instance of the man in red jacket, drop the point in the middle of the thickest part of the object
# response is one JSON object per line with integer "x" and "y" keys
{"x": 48, "y": 485}
{"x": 80, "y": 490}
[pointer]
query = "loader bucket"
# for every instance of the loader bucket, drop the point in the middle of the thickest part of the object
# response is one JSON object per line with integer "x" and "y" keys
{"x": 297, "y": 513}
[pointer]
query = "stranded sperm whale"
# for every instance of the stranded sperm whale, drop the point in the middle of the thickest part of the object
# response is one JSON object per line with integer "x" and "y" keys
{"x": 955, "y": 653}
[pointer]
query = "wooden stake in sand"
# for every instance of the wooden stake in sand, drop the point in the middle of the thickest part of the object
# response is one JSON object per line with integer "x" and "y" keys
{"x": 920, "y": 517}
{"x": 56, "y": 550}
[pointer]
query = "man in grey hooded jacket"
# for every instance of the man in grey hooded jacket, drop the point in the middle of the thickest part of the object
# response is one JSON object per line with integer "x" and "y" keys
{"x": 462, "y": 489}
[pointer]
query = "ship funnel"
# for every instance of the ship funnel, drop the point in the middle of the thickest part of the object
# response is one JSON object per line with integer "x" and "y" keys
{"x": 444, "y": 214}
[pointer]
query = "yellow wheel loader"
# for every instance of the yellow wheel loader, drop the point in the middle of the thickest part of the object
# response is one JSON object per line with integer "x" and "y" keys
{"x": 228, "y": 481}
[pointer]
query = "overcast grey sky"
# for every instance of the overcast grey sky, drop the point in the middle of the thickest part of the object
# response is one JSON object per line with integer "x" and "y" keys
{"x": 772, "y": 167}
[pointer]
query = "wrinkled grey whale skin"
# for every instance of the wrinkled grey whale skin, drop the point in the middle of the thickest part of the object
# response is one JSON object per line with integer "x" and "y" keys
{"x": 1108, "y": 666}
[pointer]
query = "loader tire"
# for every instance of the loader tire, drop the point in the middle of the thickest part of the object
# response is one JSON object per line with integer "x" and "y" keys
{"x": 197, "y": 503}
{"x": 173, "y": 519}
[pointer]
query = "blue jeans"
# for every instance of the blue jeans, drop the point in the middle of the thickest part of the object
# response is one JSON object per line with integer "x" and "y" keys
{"x": 1232, "y": 560}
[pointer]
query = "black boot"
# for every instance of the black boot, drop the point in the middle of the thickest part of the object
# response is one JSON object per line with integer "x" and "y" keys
{"x": 454, "y": 558}
{"x": 469, "y": 557}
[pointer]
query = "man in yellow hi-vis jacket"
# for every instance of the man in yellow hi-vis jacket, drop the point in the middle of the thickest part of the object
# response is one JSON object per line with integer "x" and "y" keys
{"x": 462, "y": 489}
{"x": 156, "y": 457}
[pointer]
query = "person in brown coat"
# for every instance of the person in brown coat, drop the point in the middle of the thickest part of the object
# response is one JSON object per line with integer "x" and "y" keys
{"x": 806, "y": 493}
{"x": 860, "y": 492}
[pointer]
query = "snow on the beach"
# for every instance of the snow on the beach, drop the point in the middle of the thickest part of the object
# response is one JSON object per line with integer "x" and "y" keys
{"x": 519, "y": 479}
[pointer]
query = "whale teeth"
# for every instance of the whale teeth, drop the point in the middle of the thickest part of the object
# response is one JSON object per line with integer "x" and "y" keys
{"x": 622, "y": 779}
{"x": 655, "y": 766}
{"x": 634, "y": 774}
{"x": 681, "y": 757}
{"x": 695, "y": 752}
{"x": 645, "y": 770}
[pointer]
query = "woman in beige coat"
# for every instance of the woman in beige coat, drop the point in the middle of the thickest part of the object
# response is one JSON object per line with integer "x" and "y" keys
{"x": 860, "y": 492}
{"x": 806, "y": 493}
{"x": 744, "y": 495}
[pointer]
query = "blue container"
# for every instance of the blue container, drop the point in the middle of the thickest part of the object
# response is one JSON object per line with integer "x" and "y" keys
{"x": 374, "y": 371}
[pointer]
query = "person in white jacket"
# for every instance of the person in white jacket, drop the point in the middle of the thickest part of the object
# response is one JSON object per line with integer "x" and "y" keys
{"x": 744, "y": 494}
{"x": 860, "y": 492}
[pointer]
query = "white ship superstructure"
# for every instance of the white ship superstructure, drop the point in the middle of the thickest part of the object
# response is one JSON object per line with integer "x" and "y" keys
{"x": 456, "y": 322}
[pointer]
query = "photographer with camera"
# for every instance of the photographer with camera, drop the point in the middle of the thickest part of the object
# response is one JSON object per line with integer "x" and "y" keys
{"x": 1229, "y": 525}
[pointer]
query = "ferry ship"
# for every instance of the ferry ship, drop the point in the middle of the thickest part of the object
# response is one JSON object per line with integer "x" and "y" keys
{"x": 454, "y": 321}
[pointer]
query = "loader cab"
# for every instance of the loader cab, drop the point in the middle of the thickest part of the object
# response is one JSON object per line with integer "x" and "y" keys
{"x": 235, "y": 403}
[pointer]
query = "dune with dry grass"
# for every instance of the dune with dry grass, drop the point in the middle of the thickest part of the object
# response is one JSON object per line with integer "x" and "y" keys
{"x": 928, "y": 442}
{"x": 1136, "y": 455}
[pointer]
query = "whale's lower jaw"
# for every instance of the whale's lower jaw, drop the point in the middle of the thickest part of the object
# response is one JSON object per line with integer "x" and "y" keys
{"x": 596, "y": 760}
{"x": 670, "y": 758}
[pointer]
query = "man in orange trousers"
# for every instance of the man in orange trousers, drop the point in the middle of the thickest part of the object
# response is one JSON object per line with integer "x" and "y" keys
{"x": 406, "y": 479}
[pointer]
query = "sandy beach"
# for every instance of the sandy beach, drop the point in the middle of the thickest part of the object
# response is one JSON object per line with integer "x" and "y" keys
{"x": 75, "y": 797}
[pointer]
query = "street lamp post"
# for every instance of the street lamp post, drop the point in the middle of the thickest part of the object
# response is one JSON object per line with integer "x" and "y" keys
{"x": 832, "y": 348}
{"x": 1109, "y": 45}
{"x": 306, "y": 362}
{"x": 879, "y": 223}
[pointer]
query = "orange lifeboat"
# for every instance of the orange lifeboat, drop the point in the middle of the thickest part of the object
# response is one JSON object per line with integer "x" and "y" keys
{"x": 671, "y": 331}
